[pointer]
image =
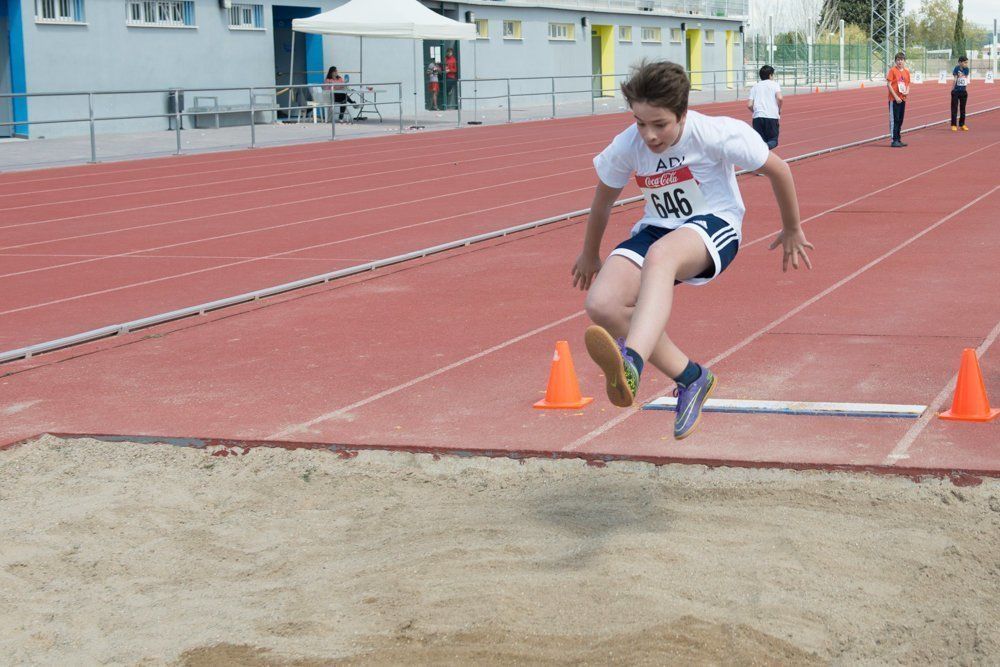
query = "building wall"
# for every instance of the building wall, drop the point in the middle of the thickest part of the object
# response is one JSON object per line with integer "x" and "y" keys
{"x": 6, "y": 114}
{"x": 105, "y": 54}
{"x": 537, "y": 55}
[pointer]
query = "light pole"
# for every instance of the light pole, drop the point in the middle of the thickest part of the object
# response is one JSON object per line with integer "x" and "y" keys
{"x": 842, "y": 26}
{"x": 994, "y": 51}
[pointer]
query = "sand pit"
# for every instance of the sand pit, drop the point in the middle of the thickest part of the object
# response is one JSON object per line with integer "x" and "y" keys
{"x": 121, "y": 553}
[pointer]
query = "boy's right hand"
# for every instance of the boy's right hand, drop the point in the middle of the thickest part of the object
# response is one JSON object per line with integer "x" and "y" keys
{"x": 584, "y": 270}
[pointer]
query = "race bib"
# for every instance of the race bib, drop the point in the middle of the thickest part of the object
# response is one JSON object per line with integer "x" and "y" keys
{"x": 963, "y": 81}
{"x": 902, "y": 87}
{"x": 674, "y": 195}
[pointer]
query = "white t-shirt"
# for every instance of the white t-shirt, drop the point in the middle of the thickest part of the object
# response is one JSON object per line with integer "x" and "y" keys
{"x": 764, "y": 96}
{"x": 709, "y": 149}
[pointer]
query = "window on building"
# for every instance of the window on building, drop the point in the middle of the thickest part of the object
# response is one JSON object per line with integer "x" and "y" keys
{"x": 511, "y": 29}
{"x": 59, "y": 11}
{"x": 482, "y": 29}
{"x": 651, "y": 35}
{"x": 562, "y": 31}
{"x": 675, "y": 35}
{"x": 710, "y": 37}
{"x": 246, "y": 17}
{"x": 624, "y": 33}
{"x": 161, "y": 13}
{"x": 736, "y": 38}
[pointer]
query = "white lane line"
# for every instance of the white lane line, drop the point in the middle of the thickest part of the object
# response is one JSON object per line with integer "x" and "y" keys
{"x": 269, "y": 177}
{"x": 610, "y": 424}
{"x": 257, "y": 259}
{"x": 296, "y": 428}
{"x": 902, "y": 448}
{"x": 132, "y": 256}
{"x": 325, "y": 152}
{"x": 296, "y": 202}
{"x": 875, "y": 192}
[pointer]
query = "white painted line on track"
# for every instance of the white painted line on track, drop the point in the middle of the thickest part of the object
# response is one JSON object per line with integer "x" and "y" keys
{"x": 296, "y": 202}
{"x": 298, "y": 428}
{"x": 902, "y": 448}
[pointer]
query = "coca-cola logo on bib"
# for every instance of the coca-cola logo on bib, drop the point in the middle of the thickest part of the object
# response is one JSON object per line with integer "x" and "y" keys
{"x": 660, "y": 180}
{"x": 657, "y": 181}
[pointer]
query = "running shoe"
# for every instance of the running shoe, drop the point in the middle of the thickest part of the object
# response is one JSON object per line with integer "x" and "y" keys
{"x": 620, "y": 375}
{"x": 690, "y": 399}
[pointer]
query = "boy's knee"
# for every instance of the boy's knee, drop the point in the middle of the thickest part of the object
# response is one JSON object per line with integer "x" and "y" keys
{"x": 602, "y": 310}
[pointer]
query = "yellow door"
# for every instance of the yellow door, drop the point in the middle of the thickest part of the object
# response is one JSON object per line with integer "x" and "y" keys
{"x": 694, "y": 57}
{"x": 607, "y": 46}
{"x": 730, "y": 74}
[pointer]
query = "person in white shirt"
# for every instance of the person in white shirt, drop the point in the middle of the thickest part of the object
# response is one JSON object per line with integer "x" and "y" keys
{"x": 689, "y": 232}
{"x": 765, "y": 102}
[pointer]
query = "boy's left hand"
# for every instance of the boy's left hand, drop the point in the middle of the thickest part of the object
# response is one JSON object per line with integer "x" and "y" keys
{"x": 793, "y": 244}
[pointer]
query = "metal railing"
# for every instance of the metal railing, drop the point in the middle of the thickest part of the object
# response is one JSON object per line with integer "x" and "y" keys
{"x": 504, "y": 84}
{"x": 710, "y": 85}
{"x": 175, "y": 115}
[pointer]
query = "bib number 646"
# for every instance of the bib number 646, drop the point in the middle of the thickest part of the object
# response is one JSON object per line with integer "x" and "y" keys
{"x": 671, "y": 203}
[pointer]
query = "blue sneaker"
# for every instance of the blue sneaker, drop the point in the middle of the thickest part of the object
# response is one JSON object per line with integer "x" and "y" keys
{"x": 689, "y": 402}
{"x": 621, "y": 376}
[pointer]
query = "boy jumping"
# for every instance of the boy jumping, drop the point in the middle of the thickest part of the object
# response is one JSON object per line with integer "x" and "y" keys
{"x": 690, "y": 231}
{"x": 765, "y": 102}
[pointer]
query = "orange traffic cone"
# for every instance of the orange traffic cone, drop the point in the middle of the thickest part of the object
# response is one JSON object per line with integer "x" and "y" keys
{"x": 564, "y": 389}
{"x": 970, "y": 403}
{"x": 862, "y": 84}
{"x": 817, "y": 89}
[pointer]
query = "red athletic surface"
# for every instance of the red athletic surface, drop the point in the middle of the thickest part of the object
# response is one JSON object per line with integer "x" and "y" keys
{"x": 450, "y": 352}
{"x": 86, "y": 247}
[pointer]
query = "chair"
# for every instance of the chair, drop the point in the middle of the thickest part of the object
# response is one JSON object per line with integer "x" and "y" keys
{"x": 318, "y": 104}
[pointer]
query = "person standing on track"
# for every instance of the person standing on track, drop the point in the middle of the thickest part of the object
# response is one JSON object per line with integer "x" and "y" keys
{"x": 690, "y": 231}
{"x": 898, "y": 82}
{"x": 765, "y": 102}
{"x": 960, "y": 95}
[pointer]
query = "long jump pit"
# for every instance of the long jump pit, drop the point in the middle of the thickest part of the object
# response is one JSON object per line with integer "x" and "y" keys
{"x": 129, "y": 553}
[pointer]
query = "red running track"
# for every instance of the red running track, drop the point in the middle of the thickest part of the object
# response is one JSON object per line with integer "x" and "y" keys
{"x": 450, "y": 352}
{"x": 86, "y": 247}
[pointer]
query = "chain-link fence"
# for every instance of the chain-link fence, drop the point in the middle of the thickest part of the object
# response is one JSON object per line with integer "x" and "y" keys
{"x": 792, "y": 52}
{"x": 860, "y": 59}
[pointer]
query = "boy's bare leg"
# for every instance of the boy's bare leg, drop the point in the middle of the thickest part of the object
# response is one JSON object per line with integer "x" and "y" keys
{"x": 677, "y": 256}
{"x": 611, "y": 304}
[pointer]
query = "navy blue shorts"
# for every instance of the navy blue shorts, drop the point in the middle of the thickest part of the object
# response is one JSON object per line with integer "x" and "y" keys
{"x": 721, "y": 239}
{"x": 767, "y": 128}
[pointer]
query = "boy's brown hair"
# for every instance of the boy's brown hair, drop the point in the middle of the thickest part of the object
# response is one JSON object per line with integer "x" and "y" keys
{"x": 660, "y": 84}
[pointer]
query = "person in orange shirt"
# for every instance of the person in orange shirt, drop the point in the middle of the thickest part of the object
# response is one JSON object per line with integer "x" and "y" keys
{"x": 898, "y": 82}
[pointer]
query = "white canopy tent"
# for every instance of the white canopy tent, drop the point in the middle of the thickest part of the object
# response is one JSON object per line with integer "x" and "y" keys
{"x": 393, "y": 19}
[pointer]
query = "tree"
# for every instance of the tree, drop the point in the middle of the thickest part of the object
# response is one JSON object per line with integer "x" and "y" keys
{"x": 935, "y": 25}
{"x": 958, "y": 39}
{"x": 857, "y": 12}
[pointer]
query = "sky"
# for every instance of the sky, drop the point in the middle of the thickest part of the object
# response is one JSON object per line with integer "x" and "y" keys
{"x": 791, "y": 14}
{"x": 976, "y": 11}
